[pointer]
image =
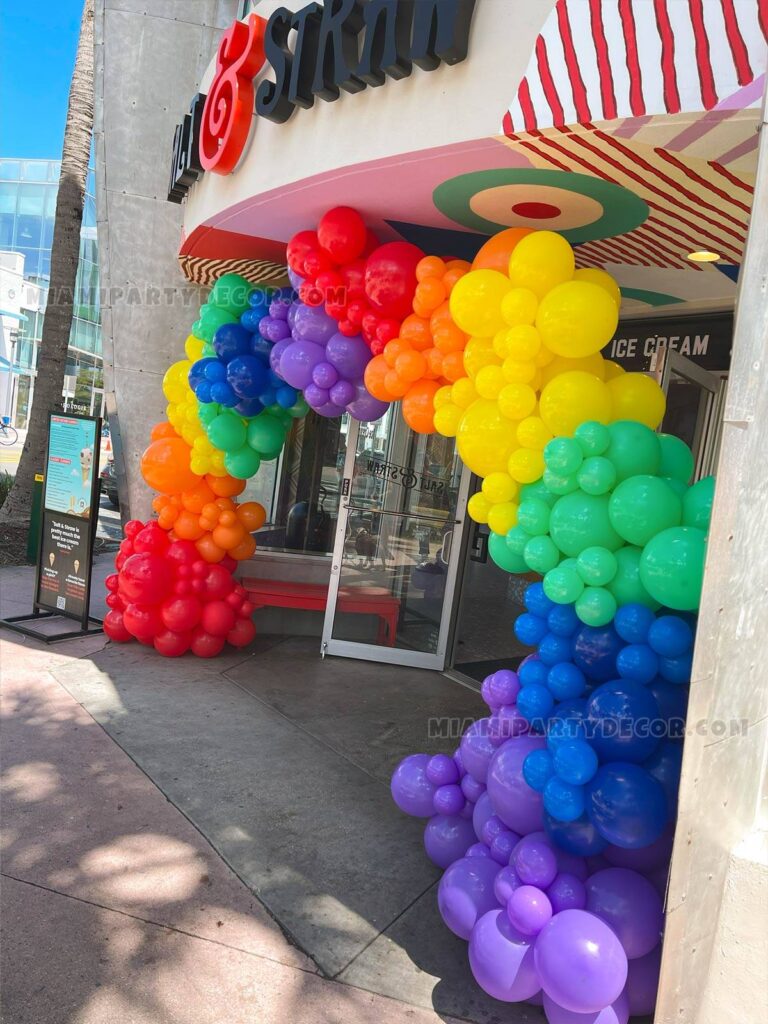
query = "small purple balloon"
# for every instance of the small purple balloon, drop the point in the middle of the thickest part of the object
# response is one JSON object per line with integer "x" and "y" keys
{"x": 493, "y": 827}
{"x": 502, "y": 959}
{"x": 529, "y": 909}
{"x": 487, "y": 694}
{"x": 535, "y": 862}
{"x": 312, "y": 323}
{"x": 296, "y": 279}
{"x": 446, "y": 838}
{"x": 442, "y": 770}
{"x": 330, "y": 410}
{"x": 365, "y": 407}
{"x": 504, "y": 686}
{"x": 479, "y": 850}
{"x": 643, "y": 983}
{"x": 505, "y": 884}
{"x": 482, "y": 812}
{"x": 513, "y": 799}
{"x": 567, "y": 892}
{"x": 276, "y": 353}
{"x": 616, "y": 1013}
{"x": 571, "y": 864}
{"x": 411, "y": 789}
{"x": 449, "y": 800}
{"x": 273, "y": 329}
{"x": 477, "y": 749}
{"x": 471, "y": 788}
{"x": 325, "y": 376}
{"x": 315, "y": 396}
{"x": 512, "y": 722}
{"x": 630, "y": 905}
{"x": 503, "y": 845}
{"x": 465, "y": 893}
{"x": 278, "y": 308}
{"x": 342, "y": 391}
{"x": 297, "y": 362}
{"x": 350, "y": 356}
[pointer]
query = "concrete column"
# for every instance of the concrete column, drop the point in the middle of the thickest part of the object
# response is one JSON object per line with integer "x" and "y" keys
{"x": 715, "y": 962}
{"x": 150, "y": 57}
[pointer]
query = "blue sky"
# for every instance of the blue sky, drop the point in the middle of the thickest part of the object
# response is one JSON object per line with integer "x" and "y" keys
{"x": 39, "y": 41}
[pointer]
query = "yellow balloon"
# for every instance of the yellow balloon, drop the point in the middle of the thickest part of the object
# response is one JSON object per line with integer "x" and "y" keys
{"x": 475, "y": 302}
{"x": 540, "y": 261}
{"x": 499, "y": 487}
{"x": 516, "y": 401}
{"x": 594, "y": 364}
{"x": 489, "y": 381}
{"x": 612, "y": 369}
{"x": 576, "y": 319}
{"x": 478, "y": 508}
{"x": 484, "y": 439}
{"x": 463, "y": 392}
{"x": 194, "y": 348}
{"x": 519, "y": 307}
{"x": 447, "y": 419}
{"x": 500, "y": 344}
{"x": 516, "y": 372}
{"x": 602, "y": 279}
{"x": 532, "y": 433}
{"x": 526, "y": 465}
{"x": 523, "y": 342}
{"x": 503, "y": 517}
{"x": 443, "y": 396}
{"x": 198, "y": 465}
{"x": 573, "y": 397}
{"x": 637, "y": 397}
{"x": 478, "y": 353}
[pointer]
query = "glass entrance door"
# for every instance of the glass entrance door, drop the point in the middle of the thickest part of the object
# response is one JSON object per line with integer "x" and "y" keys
{"x": 398, "y": 544}
{"x": 695, "y": 399}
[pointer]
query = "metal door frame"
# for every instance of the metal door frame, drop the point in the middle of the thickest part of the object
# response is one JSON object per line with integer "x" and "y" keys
{"x": 373, "y": 652}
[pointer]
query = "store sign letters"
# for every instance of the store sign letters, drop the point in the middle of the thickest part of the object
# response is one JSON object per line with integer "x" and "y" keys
{"x": 316, "y": 52}
{"x": 706, "y": 341}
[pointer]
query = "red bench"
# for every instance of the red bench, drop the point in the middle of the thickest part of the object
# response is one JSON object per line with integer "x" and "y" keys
{"x": 314, "y": 597}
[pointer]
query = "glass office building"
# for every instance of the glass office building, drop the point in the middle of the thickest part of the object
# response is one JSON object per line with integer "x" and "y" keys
{"x": 28, "y": 190}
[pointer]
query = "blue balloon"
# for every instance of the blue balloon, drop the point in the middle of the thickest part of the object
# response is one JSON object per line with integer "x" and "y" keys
{"x": 530, "y": 629}
{"x": 673, "y": 704}
{"x": 594, "y": 652}
{"x": 670, "y": 636}
{"x": 533, "y": 672}
{"x": 627, "y": 806}
{"x": 257, "y": 300}
{"x": 231, "y": 340}
{"x": 538, "y": 768}
{"x": 249, "y": 407}
{"x": 286, "y": 396}
{"x": 621, "y": 716}
{"x": 566, "y": 681}
{"x": 260, "y": 346}
{"x": 637, "y": 662}
{"x": 222, "y": 393}
{"x": 247, "y": 376}
{"x": 554, "y": 649}
{"x": 203, "y": 391}
{"x": 563, "y": 801}
{"x": 215, "y": 370}
{"x": 677, "y": 670}
{"x": 267, "y": 397}
{"x": 632, "y": 622}
{"x": 579, "y": 837}
{"x": 534, "y": 702}
{"x": 575, "y": 762}
{"x": 665, "y": 765}
{"x": 563, "y": 620}
{"x": 567, "y": 723}
{"x": 536, "y": 601}
{"x": 250, "y": 319}
{"x": 197, "y": 371}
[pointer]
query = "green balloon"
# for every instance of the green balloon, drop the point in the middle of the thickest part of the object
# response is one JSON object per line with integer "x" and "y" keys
{"x": 538, "y": 489}
{"x": 231, "y": 293}
{"x": 227, "y": 432}
{"x": 504, "y": 557}
{"x": 266, "y": 435}
{"x": 211, "y": 319}
{"x": 242, "y": 463}
{"x": 207, "y": 412}
{"x": 593, "y": 437}
{"x": 597, "y": 475}
{"x": 559, "y": 485}
{"x": 672, "y": 567}
{"x": 209, "y": 352}
{"x": 563, "y": 585}
{"x": 697, "y": 504}
{"x": 581, "y": 521}
{"x": 596, "y": 566}
{"x": 634, "y": 449}
{"x": 533, "y": 516}
{"x": 643, "y": 506}
{"x": 541, "y": 554}
{"x": 677, "y": 485}
{"x": 676, "y": 458}
{"x": 197, "y": 326}
{"x": 563, "y": 455}
{"x": 626, "y": 586}
{"x": 516, "y": 540}
{"x": 596, "y": 606}
{"x": 299, "y": 409}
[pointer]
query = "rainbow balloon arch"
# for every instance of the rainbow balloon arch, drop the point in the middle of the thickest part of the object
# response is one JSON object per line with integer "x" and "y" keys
{"x": 553, "y": 819}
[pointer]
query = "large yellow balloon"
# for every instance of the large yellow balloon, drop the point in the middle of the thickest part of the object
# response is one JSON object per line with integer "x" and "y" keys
{"x": 485, "y": 439}
{"x": 577, "y": 319}
{"x": 479, "y": 352}
{"x": 541, "y": 261}
{"x": 602, "y": 279}
{"x": 475, "y": 302}
{"x": 637, "y": 397}
{"x": 594, "y": 364}
{"x": 572, "y": 398}
{"x": 447, "y": 419}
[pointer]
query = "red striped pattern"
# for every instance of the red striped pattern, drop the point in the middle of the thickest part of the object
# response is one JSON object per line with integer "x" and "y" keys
{"x": 572, "y": 64}
{"x": 636, "y": 101}
{"x": 607, "y": 93}
{"x": 671, "y": 94}
{"x": 706, "y": 76}
{"x": 736, "y": 43}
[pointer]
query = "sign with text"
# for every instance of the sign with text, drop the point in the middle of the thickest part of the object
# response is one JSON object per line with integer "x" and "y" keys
{"x": 706, "y": 340}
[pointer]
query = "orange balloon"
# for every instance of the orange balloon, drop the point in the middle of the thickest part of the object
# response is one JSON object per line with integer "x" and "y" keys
{"x": 161, "y": 430}
{"x": 244, "y": 549}
{"x": 375, "y": 373}
{"x": 410, "y": 366}
{"x": 225, "y": 486}
{"x": 167, "y": 517}
{"x": 395, "y": 385}
{"x": 448, "y": 337}
{"x": 252, "y": 515}
{"x": 208, "y": 549}
{"x": 429, "y": 266}
{"x": 415, "y": 330}
{"x": 194, "y": 500}
{"x": 418, "y": 407}
{"x": 435, "y": 361}
{"x": 228, "y": 536}
{"x": 224, "y": 504}
{"x": 430, "y": 293}
{"x": 159, "y": 503}
{"x": 211, "y": 511}
{"x": 187, "y": 526}
{"x": 495, "y": 254}
{"x": 393, "y": 349}
{"x": 453, "y": 366}
{"x": 227, "y": 518}
{"x": 165, "y": 466}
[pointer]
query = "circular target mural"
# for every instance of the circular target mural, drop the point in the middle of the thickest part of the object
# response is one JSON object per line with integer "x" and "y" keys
{"x": 580, "y": 207}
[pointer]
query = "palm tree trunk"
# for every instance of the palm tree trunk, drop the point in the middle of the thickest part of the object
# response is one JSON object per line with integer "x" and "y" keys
{"x": 65, "y": 252}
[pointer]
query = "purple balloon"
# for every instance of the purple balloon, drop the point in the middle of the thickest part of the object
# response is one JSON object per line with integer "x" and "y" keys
{"x": 446, "y": 838}
{"x": 312, "y": 323}
{"x": 630, "y": 905}
{"x": 471, "y": 788}
{"x": 449, "y": 800}
{"x": 411, "y": 789}
{"x": 292, "y": 311}
{"x": 616, "y": 1013}
{"x": 647, "y": 857}
{"x": 535, "y": 862}
{"x": 479, "y": 850}
{"x": 482, "y": 812}
{"x": 330, "y": 410}
{"x": 365, "y": 407}
{"x": 276, "y": 353}
{"x": 567, "y": 892}
{"x": 487, "y": 694}
{"x": 296, "y": 279}
{"x": 325, "y": 375}
{"x": 316, "y": 397}
{"x": 273, "y": 329}
{"x": 513, "y": 800}
{"x": 503, "y": 845}
{"x": 298, "y": 361}
{"x": 571, "y": 865}
{"x": 659, "y": 879}
{"x": 512, "y": 722}
{"x": 442, "y": 770}
{"x": 504, "y": 686}
{"x": 493, "y": 827}
{"x": 477, "y": 749}
{"x": 502, "y": 959}
{"x": 505, "y": 884}
{"x": 643, "y": 982}
{"x": 465, "y": 893}
{"x": 278, "y": 308}
{"x": 529, "y": 909}
{"x": 342, "y": 391}
{"x": 580, "y": 961}
{"x": 350, "y": 356}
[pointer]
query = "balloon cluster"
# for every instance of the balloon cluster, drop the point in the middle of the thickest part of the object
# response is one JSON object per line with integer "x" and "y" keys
{"x": 165, "y": 595}
{"x": 327, "y": 365}
{"x": 368, "y": 288}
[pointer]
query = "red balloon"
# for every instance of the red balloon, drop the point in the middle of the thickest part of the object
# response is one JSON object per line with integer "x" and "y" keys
{"x": 353, "y": 278}
{"x": 151, "y": 539}
{"x": 316, "y": 262}
{"x": 204, "y": 645}
{"x": 387, "y": 330}
{"x": 120, "y": 561}
{"x": 172, "y": 645}
{"x": 132, "y": 527}
{"x": 111, "y": 582}
{"x": 126, "y": 546}
{"x": 182, "y": 588}
{"x": 242, "y": 633}
{"x": 145, "y": 578}
{"x": 297, "y": 249}
{"x": 142, "y": 621}
{"x": 228, "y": 563}
{"x": 183, "y": 554}
{"x": 181, "y": 614}
{"x": 217, "y": 583}
{"x": 371, "y": 243}
{"x": 390, "y": 278}
{"x": 310, "y": 295}
{"x": 114, "y": 601}
{"x": 115, "y": 629}
{"x": 217, "y": 618}
{"x": 342, "y": 233}
{"x": 246, "y": 610}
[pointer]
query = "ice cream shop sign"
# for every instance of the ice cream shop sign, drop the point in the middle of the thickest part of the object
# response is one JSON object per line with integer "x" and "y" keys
{"x": 315, "y": 52}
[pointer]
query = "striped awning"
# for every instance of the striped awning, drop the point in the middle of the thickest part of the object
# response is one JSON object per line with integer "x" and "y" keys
{"x": 205, "y": 272}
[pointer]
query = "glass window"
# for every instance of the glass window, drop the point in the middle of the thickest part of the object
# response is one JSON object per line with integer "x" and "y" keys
{"x": 31, "y": 260}
{"x": 35, "y": 170}
{"x": 8, "y": 197}
{"x": 29, "y": 230}
{"x": 54, "y": 170}
{"x": 32, "y": 200}
{"x": 10, "y": 169}
{"x": 6, "y": 230}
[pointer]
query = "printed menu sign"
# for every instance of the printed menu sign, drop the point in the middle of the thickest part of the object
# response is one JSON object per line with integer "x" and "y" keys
{"x": 72, "y": 461}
